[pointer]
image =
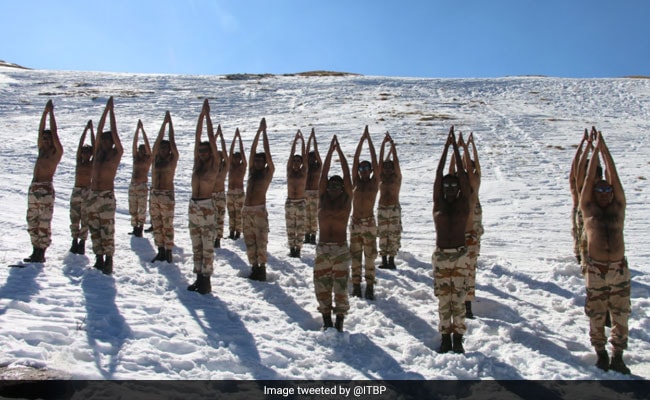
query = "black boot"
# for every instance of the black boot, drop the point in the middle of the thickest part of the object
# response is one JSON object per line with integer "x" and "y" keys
{"x": 217, "y": 243}
{"x": 81, "y": 247}
{"x": 468, "y": 310}
{"x": 160, "y": 256}
{"x": 232, "y": 235}
{"x": 258, "y": 273}
{"x": 457, "y": 343}
{"x": 237, "y": 235}
{"x": 137, "y": 231}
{"x": 384, "y": 262}
{"x": 168, "y": 256}
{"x": 618, "y": 365}
{"x": 133, "y": 231}
{"x": 307, "y": 239}
{"x": 603, "y": 360}
{"x": 608, "y": 319}
{"x": 99, "y": 262}
{"x": 339, "y": 322}
{"x": 292, "y": 252}
{"x": 356, "y": 290}
{"x": 75, "y": 246}
{"x": 195, "y": 286}
{"x": 37, "y": 257}
{"x": 370, "y": 291}
{"x": 108, "y": 265}
{"x": 445, "y": 343}
{"x": 32, "y": 256}
{"x": 149, "y": 229}
{"x": 327, "y": 321}
{"x": 391, "y": 262}
{"x": 205, "y": 286}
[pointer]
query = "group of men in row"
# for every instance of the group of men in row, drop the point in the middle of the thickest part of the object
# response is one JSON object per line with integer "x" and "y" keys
{"x": 92, "y": 202}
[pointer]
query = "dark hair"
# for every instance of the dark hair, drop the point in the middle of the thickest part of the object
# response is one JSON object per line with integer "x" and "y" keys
{"x": 86, "y": 147}
{"x": 298, "y": 156}
{"x": 261, "y": 155}
{"x": 450, "y": 176}
{"x": 365, "y": 162}
{"x": 335, "y": 178}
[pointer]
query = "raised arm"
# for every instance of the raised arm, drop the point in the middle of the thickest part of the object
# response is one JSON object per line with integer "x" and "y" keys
{"x": 357, "y": 156}
{"x": 172, "y": 140}
{"x": 116, "y": 138}
{"x": 373, "y": 154}
{"x": 586, "y": 192}
{"x": 347, "y": 181}
{"x": 312, "y": 139}
{"x": 241, "y": 148}
{"x": 612, "y": 174}
{"x": 267, "y": 150}
{"x": 396, "y": 167}
{"x": 256, "y": 140}
{"x": 199, "y": 129}
{"x": 477, "y": 165}
{"x": 145, "y": 139}
{"x": 293, "y": 151}
{"x": 437, "y": 184}
{"x": 134, "y": 147}
{"x": 82, "y": 140}
{"x": 322, "y": 184}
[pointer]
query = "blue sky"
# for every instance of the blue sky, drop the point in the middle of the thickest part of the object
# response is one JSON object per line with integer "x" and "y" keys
{"x": 412, "y": 38}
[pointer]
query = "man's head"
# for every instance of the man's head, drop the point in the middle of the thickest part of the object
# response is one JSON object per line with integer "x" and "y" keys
{"x": 365, "y": 169}
{"x": 259, "y": 161}
{"x": 86, "y": 152}
{"x": 107, "y": 140}
{"x": 142, "y": 150}
{"x": 204, "y": 151}
{"x": 312, "y": 160}
{"x": 450, "y": 187}
{"x": 603, "y": 193}
{"x": 335, "y": 186}
{"x": 296, "y": 162}
{"x": 236, "y": 158}
{"x": 165, "y": 148}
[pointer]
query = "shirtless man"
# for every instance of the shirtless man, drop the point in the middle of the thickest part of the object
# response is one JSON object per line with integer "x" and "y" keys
{"x": 255, "y": 217}
{"x": 389, "y": 212}
{"x": 162, "y": 199}
{"x": 40, "y": 197}
{"x": 235, "y": 196}
{"x": 138, "y": 190}
{"x": 101, "y": 209}
{"x": 219, "y": 189}
{"x": 607, "y": 278}
{"x": 471, "y": 233}
{"x": 451, "y": 209}
{"x": 296, "y": 203}
{"x": 332, "y": 262}
{"x": 315, "y": 165}
{"x": 363, "y": 228}
{"x": 202, "y": 215}
{"x": 81, "y": 192}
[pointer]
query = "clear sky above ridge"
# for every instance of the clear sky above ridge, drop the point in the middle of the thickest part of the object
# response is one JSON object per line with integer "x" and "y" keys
{"x": 410, "y": 38}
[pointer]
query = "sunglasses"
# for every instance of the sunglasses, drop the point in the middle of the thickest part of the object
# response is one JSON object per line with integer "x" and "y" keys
{"x": 335, "y": 186}
{"x": 365, "y": 168}
{"x": 450, "y": 185}
{"x": 603, "y": 189}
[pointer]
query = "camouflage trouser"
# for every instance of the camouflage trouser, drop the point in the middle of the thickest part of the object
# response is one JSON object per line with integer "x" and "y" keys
{"x": 202, "y": 226}
{"x": 608, "y": 288}
{"x": 471, "y": 241}
{"x": 294, "y": 217}
{"x": 40, "y": 207}
{"x": 478, "y": 226}
{"x": 79, "y": 212}
{"x": 161, "y": 209}
{"x": 363, "y": 242}
{"x": 331, "y": 273}
{"x": 575, "y": 232}
{"x": 311, "y": 218}
{"x": 219, "y": 204}
{"x": 389, "y": 229}
{"x": 255, "y": 220}
{"x": 235, "y": 204}
{"x": 101, "y": 221}
{"x": 450, "y": 269}
{"x": 138, "y": 203}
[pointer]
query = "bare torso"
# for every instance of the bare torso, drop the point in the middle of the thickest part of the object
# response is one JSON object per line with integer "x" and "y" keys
{"x": 365, "y": 194}
{"x": 140, "y": 173}
{"x": 83, "y": 174}
{"x": 162, "y": 174}
{"x": 450, "y": 220}
{"x": 256, "y": 187}
{"x": 104, "y": 170}
{"x": 46, "y": 163}
{"x": 604, "y": 228}
{"x": 333, "y": 217}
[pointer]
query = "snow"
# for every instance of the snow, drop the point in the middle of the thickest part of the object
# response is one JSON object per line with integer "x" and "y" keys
{"x": 142, "y": 323}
